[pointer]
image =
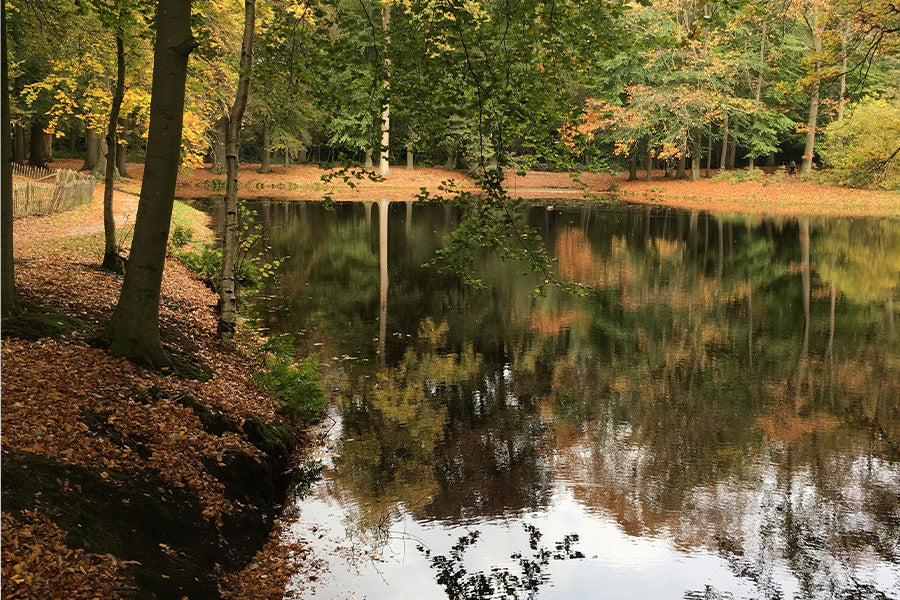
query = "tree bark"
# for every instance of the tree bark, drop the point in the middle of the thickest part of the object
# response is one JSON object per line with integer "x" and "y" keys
{"x": 47, "y": 146}
{"x": 450, "y": 165}
{"x": 812, "y": 123}
{"x": 133, "y": 329}
{"x": 367, "y": 160}
{"x": 266, "y": 163}
{"x": 91, "y": 149}
{"x": 649, "y": 165}
{"x": 732, "y": 150}
{"x": 9, "y": 300}
{"x": 696, "y": 140}
{"x": 218, "y": 146}
{"x": 102, "y": 152}
{"x": 122, "y": 150}
{"x": 301, "y": 156}
{"x": 112, "y": 260}
{"x": 410, "y": 162}
{"x": 37, "y": 156}
{"x": 632, "y": 165}
{"x": 384, "y": 168}
{"x": 724, "y": 157}
{"x": 681, "y": 173}
{"x": 842, "y": 98}
{"x": 19, "y": 144}
{"x": 228, "y": 281}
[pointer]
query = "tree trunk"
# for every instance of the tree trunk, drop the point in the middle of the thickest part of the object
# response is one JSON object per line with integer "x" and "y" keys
{"x": 410, "y": 163}
{"x": 450, "y": 165}
{"x": 709, "y": 151}
{"x": 287, "y": 158}
{"x": 301, "y": 155}
{"x": 811, "y": 124}
{"x": 632, "y": 165}
{"x": 724, "y": 157}
{"x": 228, "y": 280}
{"x": 384, "y": 168}
{"x": 102, "y": 152}
{"x": 732, "y": 150}
{"x": 133, "y": 329}
{"x": 111, "y": 258}
{"x": 367, "y": 160}
{"x": 842, "y": 98}
{"x": 19, "y": 144}
{"x": 696, "y": 140}
{"x": 91, "y": 149}
{"x": 218, "y": 146}
{"x": 681, "y": 173}
{"x": 809, "y": 148}
{"x": 649, "y": 164}
{"x": 47, "y": 146}
{"x": 122, "y": 150}
{"x": 9, "y": 300}
{"x": 37, "y": 156}
{"x": 266, "y": 164}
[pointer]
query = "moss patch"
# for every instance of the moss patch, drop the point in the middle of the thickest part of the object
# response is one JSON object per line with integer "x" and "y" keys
{"x": 37, "y": 322}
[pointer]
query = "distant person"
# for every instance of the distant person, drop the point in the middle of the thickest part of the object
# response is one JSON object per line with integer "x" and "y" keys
{"x": 792, "y": 168}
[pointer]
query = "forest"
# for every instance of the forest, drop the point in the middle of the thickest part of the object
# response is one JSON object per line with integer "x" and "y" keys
{"x": 195, "y": 430}
{"x": 553, "y": 85}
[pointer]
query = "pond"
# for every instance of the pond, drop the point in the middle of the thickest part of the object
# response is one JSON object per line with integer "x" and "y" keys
{"x": 719, "y": 417}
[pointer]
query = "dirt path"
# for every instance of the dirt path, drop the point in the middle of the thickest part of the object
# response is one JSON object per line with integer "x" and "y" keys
{"x": 82, "y": 220}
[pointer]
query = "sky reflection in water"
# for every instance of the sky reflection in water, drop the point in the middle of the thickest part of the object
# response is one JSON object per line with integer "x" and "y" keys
{"x": 719, "y": 418}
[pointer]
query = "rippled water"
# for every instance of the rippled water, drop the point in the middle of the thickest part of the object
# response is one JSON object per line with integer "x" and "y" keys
{"x": 718, "y": 418}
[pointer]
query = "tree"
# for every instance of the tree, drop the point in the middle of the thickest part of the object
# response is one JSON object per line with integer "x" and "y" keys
{"x": 9, "y": 303}
{"x": 111, "y": 258}
{"x": 228, "y": 281}
{"x": 133, "y": 329}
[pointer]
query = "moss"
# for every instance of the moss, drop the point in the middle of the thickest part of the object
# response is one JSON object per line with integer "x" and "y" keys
{"x": 37, "y": 322}
{"x": 275, "y": 438}
{"x": 213, "y": 421}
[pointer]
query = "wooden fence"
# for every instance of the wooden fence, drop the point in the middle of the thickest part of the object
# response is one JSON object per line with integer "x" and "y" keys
{"x": 49, "y": 191}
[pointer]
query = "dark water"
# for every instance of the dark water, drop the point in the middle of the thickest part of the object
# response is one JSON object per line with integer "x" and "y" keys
{"x": 718, "y": 418}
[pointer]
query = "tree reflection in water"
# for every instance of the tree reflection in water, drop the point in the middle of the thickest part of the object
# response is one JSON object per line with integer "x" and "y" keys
{"x": 499, "y": 582}
{"x": 731, "y": 385}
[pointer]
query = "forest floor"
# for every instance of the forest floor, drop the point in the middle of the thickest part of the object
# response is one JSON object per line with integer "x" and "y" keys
{"x": 777, "y": 193}
{"x": 121, "y": 481}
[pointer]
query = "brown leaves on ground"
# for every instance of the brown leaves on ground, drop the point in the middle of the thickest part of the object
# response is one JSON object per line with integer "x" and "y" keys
{"x": 77, "y": 405}
{"x": 271, "y": 570}
{"x": 37, "y": 564}
{"x": 776, "y": 193}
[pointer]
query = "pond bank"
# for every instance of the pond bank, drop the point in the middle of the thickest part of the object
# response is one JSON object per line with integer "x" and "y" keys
{"x": 123, "y": 482}
{"x": 776, "y": 193}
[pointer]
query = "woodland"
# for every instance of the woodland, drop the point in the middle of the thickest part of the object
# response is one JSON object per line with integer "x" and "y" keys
{"x": 492, "y": 86}
{"x": 151, "y": 407}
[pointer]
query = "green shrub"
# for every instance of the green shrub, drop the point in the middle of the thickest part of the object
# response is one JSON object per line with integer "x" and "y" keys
{"x": 208, "y": 263}
{"x": 296, "y": 383}
{"x": 180, "y": 237}
{"x": 862, "y": 148}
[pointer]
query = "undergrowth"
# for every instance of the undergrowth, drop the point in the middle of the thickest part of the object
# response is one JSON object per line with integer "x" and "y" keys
{"x": 294, "y": 381}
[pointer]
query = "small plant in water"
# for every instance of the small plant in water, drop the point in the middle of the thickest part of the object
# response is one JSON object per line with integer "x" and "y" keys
{"x": 459, "y": 584}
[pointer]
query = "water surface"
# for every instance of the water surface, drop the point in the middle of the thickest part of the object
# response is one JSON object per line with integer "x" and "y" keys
{"x": 718, "y": 418}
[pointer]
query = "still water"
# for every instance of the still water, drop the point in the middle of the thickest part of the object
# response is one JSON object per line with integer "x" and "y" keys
{"x": 718, "y": 418}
